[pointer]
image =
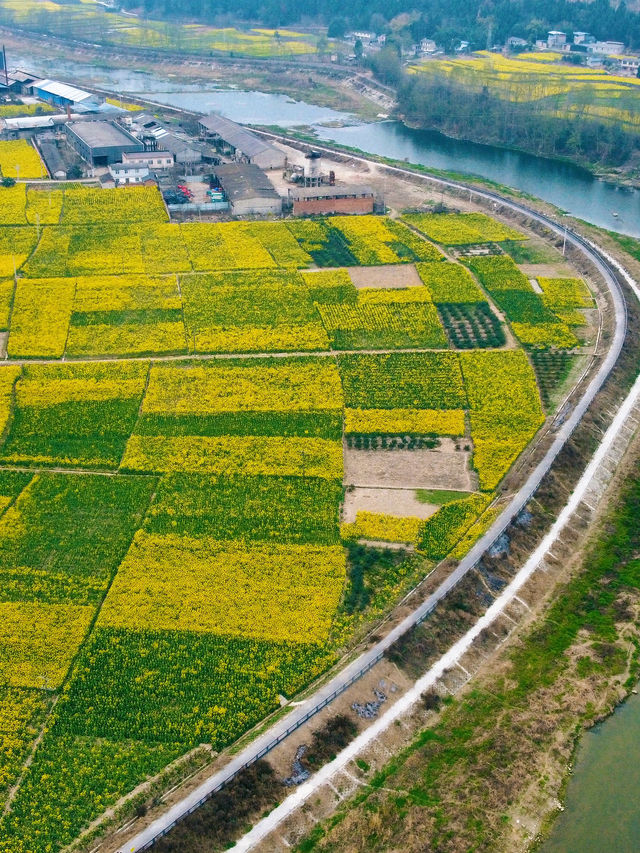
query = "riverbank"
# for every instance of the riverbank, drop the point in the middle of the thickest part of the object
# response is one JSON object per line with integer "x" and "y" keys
{"x": 348, "y": 90}
{"x": 629, "y": 177}
{"x": 602, "y": 785}
{"x": 321, "y": 86}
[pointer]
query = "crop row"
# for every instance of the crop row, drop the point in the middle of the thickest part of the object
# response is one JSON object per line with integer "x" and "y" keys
{"x": 533, "y": 322}
{"x": 21, "y": 715}
{"x": 265, "y": 416}
{"x": 505, "y": 410}
{"x": 94, "y": 230}
{"x": 263, "y": 311}
{"x": 227, "y": 593}
{"x": 381, "y": 527}
{"x": 458, "y": 229}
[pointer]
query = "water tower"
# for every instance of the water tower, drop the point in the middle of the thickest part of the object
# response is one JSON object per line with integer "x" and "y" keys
{"x": 312, "y": 169}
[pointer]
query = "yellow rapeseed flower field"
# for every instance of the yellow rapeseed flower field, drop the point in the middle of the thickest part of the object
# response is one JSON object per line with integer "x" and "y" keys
{"x": 405, "y": 421}
{"x": 564, "y": 88}
{"x": 230, "y": 455}
{"x": 38, "y": 641}
{"x": 19, "y": 159}
{"x": 198, "y": 390}
{"x": 264, "y": 591}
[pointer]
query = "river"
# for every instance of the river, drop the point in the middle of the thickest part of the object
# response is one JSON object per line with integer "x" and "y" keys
{"x": 567, "y": 186}
{"x": 601, "y": 814}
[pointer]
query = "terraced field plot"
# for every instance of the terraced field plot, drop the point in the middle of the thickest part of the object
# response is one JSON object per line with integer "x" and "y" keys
{"x": 560, "y": 88}
{"x": 173, "y": 552}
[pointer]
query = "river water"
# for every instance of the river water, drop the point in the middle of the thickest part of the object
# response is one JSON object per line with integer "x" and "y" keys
{"x": 567, "y": 186}
{"x": 601, "y": 814}
{"x": 601, "y": 811}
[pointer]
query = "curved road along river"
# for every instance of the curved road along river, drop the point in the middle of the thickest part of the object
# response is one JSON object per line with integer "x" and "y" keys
{"x": 343, "y": 679}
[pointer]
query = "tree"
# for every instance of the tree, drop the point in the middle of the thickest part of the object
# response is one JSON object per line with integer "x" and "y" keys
{"x": 337, "y": 28}
{"x": 358, "y": 49}
{"x": 378, "y": 23}
{"x": 322, "y": 45}
{"x": 387, "y": 66}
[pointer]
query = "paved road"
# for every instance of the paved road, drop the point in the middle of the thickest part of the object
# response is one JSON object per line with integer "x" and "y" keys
{"x": 336, "y": 685}
{"x": 451, "y": 658}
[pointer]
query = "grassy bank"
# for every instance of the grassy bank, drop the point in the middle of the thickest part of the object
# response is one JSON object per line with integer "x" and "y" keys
{"x": 460, "y": 783}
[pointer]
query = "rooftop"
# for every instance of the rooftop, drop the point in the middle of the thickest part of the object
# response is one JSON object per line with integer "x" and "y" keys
{"x": 63, "y": 90}
{"x": 28, "y": 122}
{"x": 244, "y": 181}
{"x": 235, "y": 135}
{"x": 128, "y": 167}
{"x": 356, "y": 191}
{"x": 23, "y": 76}
{"x": 52, "y": 157}
{"x": 100, "y": 134}
{"x": 145, "y": 155}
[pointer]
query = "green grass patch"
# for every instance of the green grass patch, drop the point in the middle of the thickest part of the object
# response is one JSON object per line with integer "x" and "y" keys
{"x": 439, "y": 496}
{"x": 285, "y": 509}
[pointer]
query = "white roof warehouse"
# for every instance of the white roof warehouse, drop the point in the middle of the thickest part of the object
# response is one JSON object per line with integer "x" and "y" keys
{"x": 242, "y": 144}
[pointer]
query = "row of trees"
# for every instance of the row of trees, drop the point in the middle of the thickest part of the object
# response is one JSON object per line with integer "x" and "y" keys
{"x": 440, "y": 104}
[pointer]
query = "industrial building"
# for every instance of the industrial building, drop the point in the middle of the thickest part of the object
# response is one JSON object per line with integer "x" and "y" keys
{"x": 157, "y": 137}
{"x": 63, "y": 95}
{"x": 248, "y": 190}
{"x": 235, "y": 141}
{"x": 152, "y": 159}
{"x": 25, "y": 127}
{"x": 28, "y": 126}
{"x": 17, "y": 82}
{"x": 53, "y": 160}
{"x": 184, "y": 150}
{"x": 101, "y": 143}
{"x": 321, "y": 200}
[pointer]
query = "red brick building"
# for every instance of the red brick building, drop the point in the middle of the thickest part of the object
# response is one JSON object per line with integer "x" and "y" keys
{"x": 308, "y": 201}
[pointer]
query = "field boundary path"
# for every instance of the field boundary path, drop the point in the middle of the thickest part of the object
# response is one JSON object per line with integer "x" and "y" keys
{"x": 562, "y": 431}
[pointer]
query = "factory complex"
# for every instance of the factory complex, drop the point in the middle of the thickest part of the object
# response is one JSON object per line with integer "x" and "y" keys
{"x": 204, "y": 166}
